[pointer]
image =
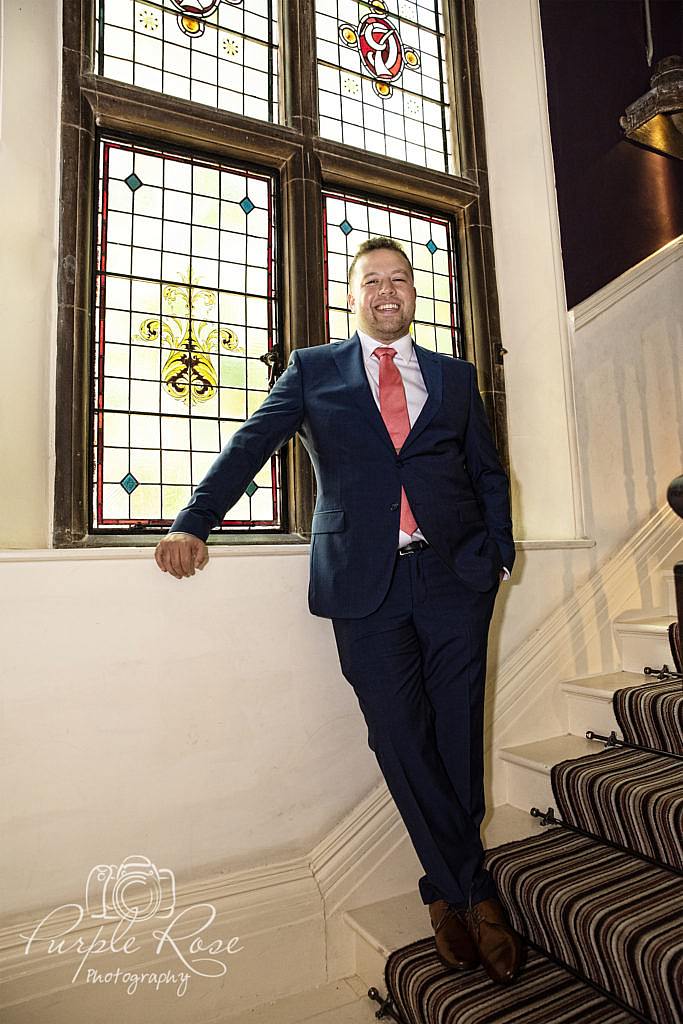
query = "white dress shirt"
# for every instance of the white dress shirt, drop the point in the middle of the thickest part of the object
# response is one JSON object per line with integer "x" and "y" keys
{"x": 416, "y": 393}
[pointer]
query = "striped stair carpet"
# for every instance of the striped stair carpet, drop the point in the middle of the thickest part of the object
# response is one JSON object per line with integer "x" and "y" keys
{"x": 628, "y": 797}
{"x": 613, "y": 917}
{"x": 652, "y": 715}
{"x": 600, "y": 901}
{"x": 423, "y": 990}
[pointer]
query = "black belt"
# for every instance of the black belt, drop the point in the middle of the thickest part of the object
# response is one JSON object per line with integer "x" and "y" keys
{"x": 415, "y": 545}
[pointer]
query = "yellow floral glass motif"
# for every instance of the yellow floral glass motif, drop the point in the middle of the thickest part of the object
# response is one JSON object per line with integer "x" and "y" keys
{"x": 185, "y": 306}
{"x": 222, "y": 53}
{"x": 189, "y": 373}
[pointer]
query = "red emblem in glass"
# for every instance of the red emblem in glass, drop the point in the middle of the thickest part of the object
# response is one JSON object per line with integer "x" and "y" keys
{"x": 380, "y": 49}
{"x": 379, "y": 45}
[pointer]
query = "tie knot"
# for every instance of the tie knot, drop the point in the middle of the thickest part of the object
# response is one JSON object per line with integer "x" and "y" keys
{"x": 385, "y": 350}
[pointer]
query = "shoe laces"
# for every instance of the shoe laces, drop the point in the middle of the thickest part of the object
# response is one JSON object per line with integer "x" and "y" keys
{"x": 448, "y": 912}
{"x": 473, "y": 916}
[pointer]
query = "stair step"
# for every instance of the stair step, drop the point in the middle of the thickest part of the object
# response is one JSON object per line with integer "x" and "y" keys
{"x": 643, "y": 640}
{"x": 506, "y": 823}
{"x": 345, "y": 1000}
{"x": 422, "y": 990}
{"x": 389, "y": 924}
{"x": 612, "y": 917}
{"x": 628, "y": 797}
{"x": 528, "y": 767}
{"x": 652, "y": 715}
{"x": 382, "y": 927}
{"x": 589, "y": 700}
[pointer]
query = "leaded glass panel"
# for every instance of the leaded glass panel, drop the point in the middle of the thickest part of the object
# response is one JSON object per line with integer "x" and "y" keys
{"x": 382, "y": 83}
{"x": 185, "y": 307}
{"x": 220, "y": 52}
{"x": 428, "y": 242}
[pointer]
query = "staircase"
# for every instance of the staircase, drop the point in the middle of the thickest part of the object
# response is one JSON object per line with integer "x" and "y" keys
{"x": 600, "y": 896}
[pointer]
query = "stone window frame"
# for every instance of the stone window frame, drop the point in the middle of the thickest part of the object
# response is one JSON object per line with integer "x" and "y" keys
{"x": 304, "y": 163}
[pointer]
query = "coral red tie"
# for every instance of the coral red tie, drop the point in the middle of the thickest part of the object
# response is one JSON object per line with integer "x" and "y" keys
{"x": 394, "y": 409}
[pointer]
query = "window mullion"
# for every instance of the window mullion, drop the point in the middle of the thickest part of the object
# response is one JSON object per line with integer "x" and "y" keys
{"x": 70, "y": 515}
{"x": 304, "y": 304}
{"x": 301, "y": 183}
{"x": 300, "y": 79}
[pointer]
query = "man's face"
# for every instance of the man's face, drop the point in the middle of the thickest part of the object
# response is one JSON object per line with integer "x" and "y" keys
{"x": 382, "y": 295}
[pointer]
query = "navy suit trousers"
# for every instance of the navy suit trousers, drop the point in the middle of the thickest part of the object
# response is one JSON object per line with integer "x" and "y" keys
{"x": 418, "y": 665}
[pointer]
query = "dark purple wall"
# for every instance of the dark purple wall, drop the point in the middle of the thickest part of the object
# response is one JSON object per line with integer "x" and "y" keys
{"x": 618, "y": 202}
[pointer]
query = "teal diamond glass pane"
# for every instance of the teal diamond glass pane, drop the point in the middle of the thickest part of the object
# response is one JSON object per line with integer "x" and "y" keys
{"x": 432, "y": 246}
{"x": 129, "y": 483}
{"x": 247, "y": 205}
{"x": 251, "y": 489}
{"x": 133, "y": 182}
{"x": 346, "y": 227}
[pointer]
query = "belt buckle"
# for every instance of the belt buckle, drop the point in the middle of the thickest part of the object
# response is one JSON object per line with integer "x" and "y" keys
{"x": 410, "y": 549}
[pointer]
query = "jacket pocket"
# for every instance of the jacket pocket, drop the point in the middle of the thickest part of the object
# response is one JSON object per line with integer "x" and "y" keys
{"x": 329, "y": 521}
{"x": 469, "y": 511}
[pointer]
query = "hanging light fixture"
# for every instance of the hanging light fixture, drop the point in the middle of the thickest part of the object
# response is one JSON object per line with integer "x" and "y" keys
{"x": 655, "y": 120}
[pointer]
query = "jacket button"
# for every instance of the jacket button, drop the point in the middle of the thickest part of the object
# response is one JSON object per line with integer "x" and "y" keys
{"x": 392, "y": 508}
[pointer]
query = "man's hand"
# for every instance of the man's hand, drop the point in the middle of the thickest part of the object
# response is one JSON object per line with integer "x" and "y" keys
{"x": 180, "y": 554}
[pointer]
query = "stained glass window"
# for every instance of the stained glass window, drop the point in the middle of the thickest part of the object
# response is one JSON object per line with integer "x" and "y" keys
{"x": 220, "y": 52}
{"x": 428, "y": 242}
{"x": 382, "y": 83}
{"x": 185, "y": 308}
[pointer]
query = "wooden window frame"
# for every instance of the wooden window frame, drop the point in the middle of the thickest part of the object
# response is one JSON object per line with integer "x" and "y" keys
{"x": 305, "y": 163}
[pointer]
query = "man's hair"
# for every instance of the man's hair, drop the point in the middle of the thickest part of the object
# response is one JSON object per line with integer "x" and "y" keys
{"x": 378, "y": 242}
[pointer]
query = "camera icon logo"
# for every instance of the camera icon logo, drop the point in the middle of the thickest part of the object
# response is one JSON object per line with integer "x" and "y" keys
{"x": 134, "y": 890}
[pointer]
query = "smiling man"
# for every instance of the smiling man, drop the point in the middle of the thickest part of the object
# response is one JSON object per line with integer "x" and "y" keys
{"x": 411, "y": 535}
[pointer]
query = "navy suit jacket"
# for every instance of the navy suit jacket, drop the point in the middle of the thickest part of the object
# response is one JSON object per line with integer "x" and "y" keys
{"x": 448, "y": 465}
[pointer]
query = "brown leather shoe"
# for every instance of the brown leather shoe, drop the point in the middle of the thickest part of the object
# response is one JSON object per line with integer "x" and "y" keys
{"x": 501, "y": 949}
{"x": 454, "y": 946}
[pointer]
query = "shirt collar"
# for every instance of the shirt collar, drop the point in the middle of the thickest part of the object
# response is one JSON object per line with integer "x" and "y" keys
{"x": 404, "y": 346}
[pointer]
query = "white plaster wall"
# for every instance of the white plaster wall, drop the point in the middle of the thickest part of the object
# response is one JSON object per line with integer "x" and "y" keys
{"x": 201, "y": 722}
{"x": 28, "y": 249}
{"x": 204, "y": 723}
{"x": 629, "y": 398}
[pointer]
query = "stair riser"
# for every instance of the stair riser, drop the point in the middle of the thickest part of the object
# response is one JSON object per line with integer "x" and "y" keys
{"x": 527, "y": 788}
{"x": 370, "y": 962}
{"x": 589, "y": 712}
{"x": 670, "y": 594}
{"x": 639, "y": 649}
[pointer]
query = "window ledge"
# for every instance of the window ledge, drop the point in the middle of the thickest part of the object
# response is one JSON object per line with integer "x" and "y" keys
{"x": 295, "y": 546}
{"x": 548, "y": 545}
{"x": 286, "y": 544}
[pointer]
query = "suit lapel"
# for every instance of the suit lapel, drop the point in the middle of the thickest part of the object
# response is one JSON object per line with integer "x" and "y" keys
{"x": 430, "y": 364}
{"x": 348, "y": 355}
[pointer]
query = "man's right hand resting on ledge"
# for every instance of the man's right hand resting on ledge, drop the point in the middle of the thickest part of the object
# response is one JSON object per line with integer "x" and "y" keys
{"x": 180, "y": 554}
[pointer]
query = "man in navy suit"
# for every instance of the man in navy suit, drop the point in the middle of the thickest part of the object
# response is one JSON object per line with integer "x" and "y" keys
{"x": 411, "y": 535}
